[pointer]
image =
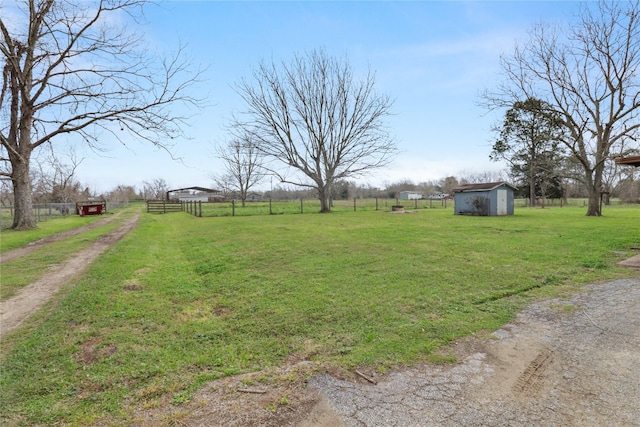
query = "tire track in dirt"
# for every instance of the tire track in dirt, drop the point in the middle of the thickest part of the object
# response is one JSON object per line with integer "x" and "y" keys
{"x": 531, "y": 379}
{"x": 15, "y": 310}
{"x": 25, "y": 250}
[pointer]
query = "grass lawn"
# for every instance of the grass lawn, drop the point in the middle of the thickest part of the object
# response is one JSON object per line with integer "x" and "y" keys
{"x": 184, "y": 300}
{"x": 11, "y": 239}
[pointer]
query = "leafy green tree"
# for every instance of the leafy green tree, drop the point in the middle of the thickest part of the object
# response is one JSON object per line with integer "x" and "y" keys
{"x": 530, "y": 142}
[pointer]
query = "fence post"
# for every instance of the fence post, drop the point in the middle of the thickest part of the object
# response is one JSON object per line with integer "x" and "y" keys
{"x": 354, "y": 204}
{"x": 301, "y": 205}
{"x": 416, "y": 203}
{"x": 200, "y": 206}
{"x": 376, "y": 203}
{"x": 270, "y": 211}
{"x": 233, "y": 207}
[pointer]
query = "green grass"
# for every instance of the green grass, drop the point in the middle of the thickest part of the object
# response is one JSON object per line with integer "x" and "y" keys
{"x": 11, "y": 239}
{"x": 184, "y": 300}
{"x": 25, "y": 270}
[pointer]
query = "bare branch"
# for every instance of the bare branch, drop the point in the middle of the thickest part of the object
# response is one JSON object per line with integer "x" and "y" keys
{"x": 69, "y": 70}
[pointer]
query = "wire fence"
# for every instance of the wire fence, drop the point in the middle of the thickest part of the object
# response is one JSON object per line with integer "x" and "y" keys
{"x": 304, "y": 206}
{"x": 253, "y": 208}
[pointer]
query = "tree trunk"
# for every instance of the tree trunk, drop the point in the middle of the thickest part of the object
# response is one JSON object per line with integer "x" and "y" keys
{"x": 532, "y": 189}
{"x": 325, "y": 203}
{"x": 594, "y": 187}
{"x": 23, "y": 197}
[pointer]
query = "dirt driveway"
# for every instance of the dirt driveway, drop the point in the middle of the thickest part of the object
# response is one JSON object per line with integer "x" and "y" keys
{"x": 559, "y": 363}
{"x": 15, "y": 310}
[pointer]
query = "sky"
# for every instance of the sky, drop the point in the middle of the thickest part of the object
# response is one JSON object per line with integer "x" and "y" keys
{"x": 433, "y": 58}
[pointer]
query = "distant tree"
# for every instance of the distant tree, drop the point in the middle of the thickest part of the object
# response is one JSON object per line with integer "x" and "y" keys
{"x": 448, "y": 184}
{"x": 474, "y": 177}
{"x": 589, "y": 74}
{"x": 122, "y": 194}
{"x": 242, "y": 167}
{"x": 530, "y": 141}
{"x": 629, "y": 187}
{"x": 392, "y": 190}
{"x": 341, "y": 190}
{"x": 69, "y": 69}
{"x": 314, "y": 118}
{"x": 155, "y": 190}
{"x": 54, "y": 177}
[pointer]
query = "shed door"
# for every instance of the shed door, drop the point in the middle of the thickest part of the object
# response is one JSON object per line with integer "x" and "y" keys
{"x": 502, "y": 201}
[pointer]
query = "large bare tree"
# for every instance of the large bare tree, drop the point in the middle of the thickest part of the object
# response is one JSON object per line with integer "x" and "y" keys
{"x": 589, "y": 73}
{"x": 313, "y": 117}
{"x": 69, "y": 68}
{"x": 242, "y": 167}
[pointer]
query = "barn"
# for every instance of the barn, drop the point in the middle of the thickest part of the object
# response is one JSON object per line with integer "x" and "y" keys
{"x": 195, "y": 194}
{"x": 484, "y": 199}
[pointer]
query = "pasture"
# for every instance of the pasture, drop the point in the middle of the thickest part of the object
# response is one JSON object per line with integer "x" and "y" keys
{"x": 183, "y": 300}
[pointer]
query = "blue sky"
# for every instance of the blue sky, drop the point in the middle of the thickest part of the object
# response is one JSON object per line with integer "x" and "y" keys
{"x": 432, "y": 58}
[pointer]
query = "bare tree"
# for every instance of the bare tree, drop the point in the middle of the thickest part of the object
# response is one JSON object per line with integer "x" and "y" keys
{"x": 314, "y": 117}
{"x": 588, "y": 72}
{"x": 69, "y": 70}
{"x": 155, "y": 190}
{"x": 242, "y": 167}
{"x": 54, "y": 177}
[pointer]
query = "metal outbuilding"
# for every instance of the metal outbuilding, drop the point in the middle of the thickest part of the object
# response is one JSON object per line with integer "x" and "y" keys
{"x": 194, "y": 194}
{"x": 411, "y": 195}
{"x": 484, "y": 199}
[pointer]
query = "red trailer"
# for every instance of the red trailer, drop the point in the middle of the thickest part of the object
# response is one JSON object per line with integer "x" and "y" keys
{"x": 91, "y": 208}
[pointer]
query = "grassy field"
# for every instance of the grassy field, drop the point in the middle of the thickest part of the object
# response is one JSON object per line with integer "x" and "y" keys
{"x": 184, "y": 300}
{"x": 25, "y": 270}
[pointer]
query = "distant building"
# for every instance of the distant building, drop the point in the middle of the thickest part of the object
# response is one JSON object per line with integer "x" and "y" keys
{"x": 438, "y": 196}
{"x": 194, "y": 194}
{"x": 410, "y": 195}
{"x": 485, "y": 199}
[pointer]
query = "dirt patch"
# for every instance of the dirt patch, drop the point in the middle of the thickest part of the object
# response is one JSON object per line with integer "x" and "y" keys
{"x": 92, "y": 351}
{"x": 15, "y": 310}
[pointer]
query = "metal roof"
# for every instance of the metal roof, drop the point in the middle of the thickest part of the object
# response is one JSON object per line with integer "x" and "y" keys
{"x": 483, "y": 186}
{"x": 631, "y": 161}
{"x": 203, "y": 189}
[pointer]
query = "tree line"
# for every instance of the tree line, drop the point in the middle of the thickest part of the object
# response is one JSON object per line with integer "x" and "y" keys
{"x": 571, "y": 94}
